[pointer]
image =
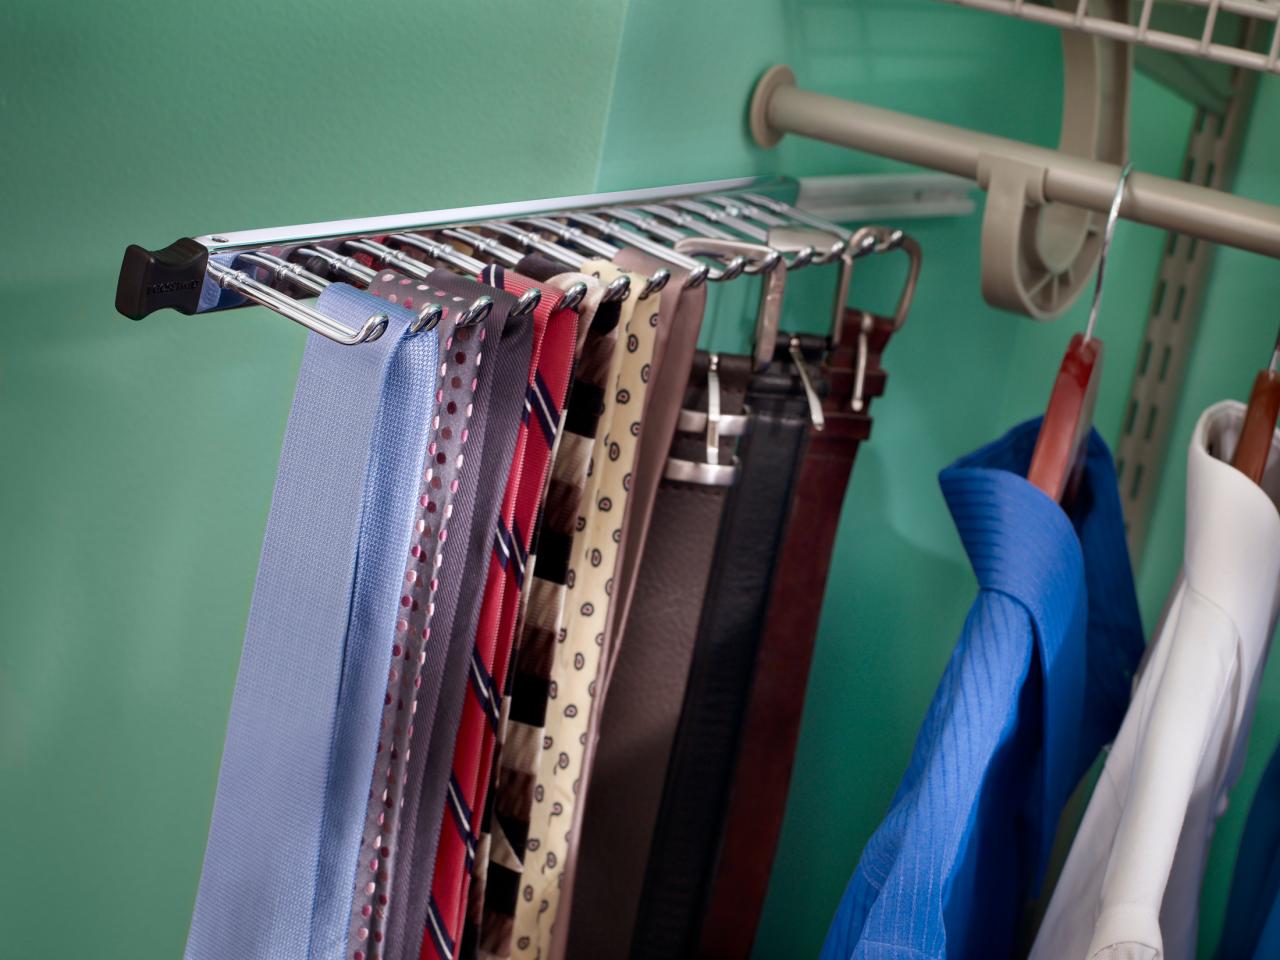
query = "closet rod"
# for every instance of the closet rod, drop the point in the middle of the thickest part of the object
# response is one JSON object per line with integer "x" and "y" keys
{"x": 779, "y": 106}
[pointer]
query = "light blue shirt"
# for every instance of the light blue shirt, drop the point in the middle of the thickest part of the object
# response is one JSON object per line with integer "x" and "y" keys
{"x": 1037, "y": 683}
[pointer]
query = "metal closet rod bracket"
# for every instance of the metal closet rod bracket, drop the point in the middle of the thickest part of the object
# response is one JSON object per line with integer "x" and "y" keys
{"x": 1020, "y": 175}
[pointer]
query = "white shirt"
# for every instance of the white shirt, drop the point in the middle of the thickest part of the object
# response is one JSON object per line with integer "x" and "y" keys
{"x": 1130, "y": 889}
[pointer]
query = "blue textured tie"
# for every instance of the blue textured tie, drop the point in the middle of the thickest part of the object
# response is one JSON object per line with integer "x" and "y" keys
{"x": 292, "y": 789}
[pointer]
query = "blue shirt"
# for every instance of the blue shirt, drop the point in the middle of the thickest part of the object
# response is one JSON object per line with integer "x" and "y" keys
{"x": 1037, "y": 683}
{"x": 1252, "y": 925}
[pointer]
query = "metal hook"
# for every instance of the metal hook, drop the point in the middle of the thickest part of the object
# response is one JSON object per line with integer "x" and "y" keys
{"x": 801, "y": 257}
{"x": 699, "y": 272}
{"x": 769, "y": 313}
{"x": 284, "y": 270}
{"x": 268, "y": 296}
{"x": 531, "y": 241}
{"x": 440, "y": 251}
{"x": 352, "y": 268}
{"x": 573, "y": 296}
{"x": 650, "y": 225}
{"x": 1113, "y": 215}
{"x": 527, "y": 303}
{"x": 732, "y": 268}
{"x": 616, "y": 291}
{"x": 573, "y": 235}
{"x": 484, "y": 244}
{"x": 476, "y": 311}
{"x": 799, "y": 216}
{"x": 826, "y": 250}
{"x": 655, "y": 283}
{"x": 598, "y": 247}
{"x": 385, "y": 255}
{"x": 428, "y": 318}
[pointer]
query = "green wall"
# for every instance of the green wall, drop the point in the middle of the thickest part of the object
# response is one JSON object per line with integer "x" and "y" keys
{"x": 138, "y": 458}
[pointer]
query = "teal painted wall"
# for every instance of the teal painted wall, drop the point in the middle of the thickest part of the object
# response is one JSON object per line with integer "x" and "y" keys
{"x": 138, "y": 458}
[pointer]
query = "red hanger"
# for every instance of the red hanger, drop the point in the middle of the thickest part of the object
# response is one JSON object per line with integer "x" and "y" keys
{"x": 1254, "y": 445}
{"x": 1058, "y": 461}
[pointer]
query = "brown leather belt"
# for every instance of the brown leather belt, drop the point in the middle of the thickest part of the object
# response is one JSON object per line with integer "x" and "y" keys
{"x": 772, "y": 727}
{"x": 686, "y": 836}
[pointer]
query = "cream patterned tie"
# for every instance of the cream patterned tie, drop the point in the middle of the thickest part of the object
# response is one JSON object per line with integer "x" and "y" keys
{"x": 577, "y": 656}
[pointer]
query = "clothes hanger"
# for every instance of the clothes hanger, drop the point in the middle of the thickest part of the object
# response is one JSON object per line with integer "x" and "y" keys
{"x": 1254, "y": 446}
{"x": 580, "y": 238}
{"x": 616, "y": 291}
{"x": 1058, "y": 460}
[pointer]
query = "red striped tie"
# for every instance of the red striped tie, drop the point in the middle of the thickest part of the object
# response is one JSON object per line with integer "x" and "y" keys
{"x": 550, "y": 369}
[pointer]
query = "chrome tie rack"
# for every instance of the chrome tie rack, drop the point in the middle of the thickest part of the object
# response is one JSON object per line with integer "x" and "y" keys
{"x": 691, "y": 227}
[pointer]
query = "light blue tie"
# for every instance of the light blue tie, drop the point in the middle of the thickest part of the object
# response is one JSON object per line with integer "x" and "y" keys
{"x": 294, "y": 782}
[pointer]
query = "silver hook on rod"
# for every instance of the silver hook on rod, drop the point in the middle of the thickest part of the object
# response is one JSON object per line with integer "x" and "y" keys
{"x": 801, "y": 257}
{"x": 352, "y": 268}
{"x": 732, "y": 269}
{"x": 569, "y": 234}
{"x": 1108, "y": 232}
{"x": 827, "y": 246}
{"x": 528, "y": 301}
{"x": 699, "y": 272}
{"x": 573, "y": 296}
{"x": 284, "y": 270}
{"x": 479, "y": 307}
{"x": 428, "y": 317}
{"x": 493, "y": 248}
{"x": 618, "y": 290}
{"x": 239, "y": 281}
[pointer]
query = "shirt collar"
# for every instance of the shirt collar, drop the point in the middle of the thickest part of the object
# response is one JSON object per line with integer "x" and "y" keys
{"x": 1070, "y": 571}
{"x": 1232, "y": 548}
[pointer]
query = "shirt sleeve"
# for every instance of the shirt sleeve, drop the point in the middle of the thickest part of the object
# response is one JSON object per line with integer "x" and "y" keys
{"x": 1184, "y": 720}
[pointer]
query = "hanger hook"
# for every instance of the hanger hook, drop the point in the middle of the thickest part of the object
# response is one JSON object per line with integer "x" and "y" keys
{"x": 1113, "y": 215}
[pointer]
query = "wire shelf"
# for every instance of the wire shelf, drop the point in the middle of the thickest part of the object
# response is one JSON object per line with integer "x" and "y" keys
{"x": 1221, "y": 31}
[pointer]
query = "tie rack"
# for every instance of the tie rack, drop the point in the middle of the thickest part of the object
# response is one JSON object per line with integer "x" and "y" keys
{"x": 692, "y": 227}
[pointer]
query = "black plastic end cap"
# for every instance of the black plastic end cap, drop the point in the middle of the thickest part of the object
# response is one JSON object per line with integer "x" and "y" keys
{"x": 151, "y": 280}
